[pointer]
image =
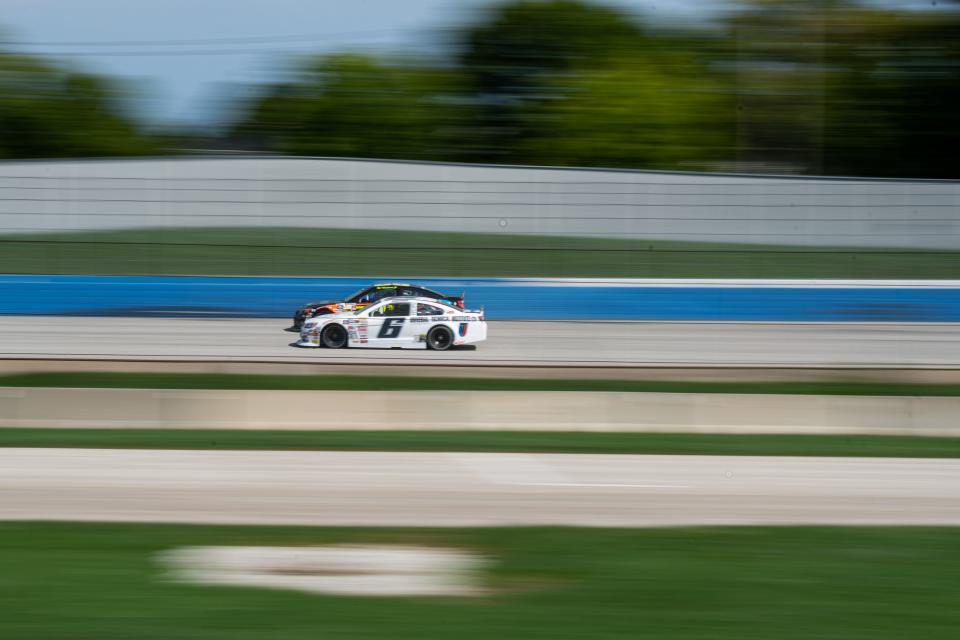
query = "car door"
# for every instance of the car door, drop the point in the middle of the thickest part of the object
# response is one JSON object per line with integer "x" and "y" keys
{"x": 388, "y": 325}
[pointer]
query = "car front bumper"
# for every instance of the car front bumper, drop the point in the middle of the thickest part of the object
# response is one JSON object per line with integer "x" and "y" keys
{"x": 309, "y": 337}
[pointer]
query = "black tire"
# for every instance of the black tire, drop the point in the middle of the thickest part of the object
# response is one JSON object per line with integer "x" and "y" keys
{"x": 334, "y": 337}
{"x": 439, "y": 339}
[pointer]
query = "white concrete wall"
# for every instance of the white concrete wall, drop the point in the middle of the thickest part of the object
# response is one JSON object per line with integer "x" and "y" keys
{"x": 306, "y": 192}
{"x": 479, "y": 411}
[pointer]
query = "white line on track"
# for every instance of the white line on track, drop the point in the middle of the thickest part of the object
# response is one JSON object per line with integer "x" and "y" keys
{"x": 603, "y": 485}
{"x": 514, "y": 468}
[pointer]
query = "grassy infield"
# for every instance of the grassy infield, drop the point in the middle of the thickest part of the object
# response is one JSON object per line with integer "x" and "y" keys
{"x": 100, "y": 581}
{"x": 393, "y": 383}
{"x": 97, "y": 581}
{"x": 344, "y": 252}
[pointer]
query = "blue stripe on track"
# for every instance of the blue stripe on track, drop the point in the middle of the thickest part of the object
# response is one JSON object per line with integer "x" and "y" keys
{"x": 512, "y": 299}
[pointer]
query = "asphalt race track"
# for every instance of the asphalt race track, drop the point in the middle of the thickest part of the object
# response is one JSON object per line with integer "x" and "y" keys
{"x": 881, "y": 345}
{"x": 472, "y": 489}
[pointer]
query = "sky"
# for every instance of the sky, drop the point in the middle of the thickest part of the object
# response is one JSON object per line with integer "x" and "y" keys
{"x": 190, "y": 88}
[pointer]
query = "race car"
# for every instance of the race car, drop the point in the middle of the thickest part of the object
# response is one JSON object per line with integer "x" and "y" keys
{"x": 366, "y": 296}
{"x": 397, "y": 322}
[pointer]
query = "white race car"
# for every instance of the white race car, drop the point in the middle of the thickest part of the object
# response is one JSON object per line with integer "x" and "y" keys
{"x": 397, "y": 322}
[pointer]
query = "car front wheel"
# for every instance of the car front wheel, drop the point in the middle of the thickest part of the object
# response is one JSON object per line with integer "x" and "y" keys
{"x": 334, "y": 337}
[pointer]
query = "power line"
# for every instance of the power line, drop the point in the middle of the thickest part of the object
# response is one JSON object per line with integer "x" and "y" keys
{"x": 293, "y": 48}
{"x": 184, "y": 52}
{"x": 196, "y": 41}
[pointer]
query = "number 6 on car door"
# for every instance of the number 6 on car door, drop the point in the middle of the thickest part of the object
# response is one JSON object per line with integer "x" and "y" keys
{"x": 387, "y": 323}
{"x": 391, "y": 328}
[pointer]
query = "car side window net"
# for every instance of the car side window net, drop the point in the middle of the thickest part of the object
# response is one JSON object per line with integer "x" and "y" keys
{"x": 428, "y": 310}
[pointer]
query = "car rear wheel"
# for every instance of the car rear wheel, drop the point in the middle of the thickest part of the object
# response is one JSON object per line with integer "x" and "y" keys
{"x": 334, "y": 337}
{"x": 439, "y": 339}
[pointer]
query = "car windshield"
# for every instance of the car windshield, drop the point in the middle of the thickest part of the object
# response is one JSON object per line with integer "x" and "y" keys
{"x": 353, "y": 296}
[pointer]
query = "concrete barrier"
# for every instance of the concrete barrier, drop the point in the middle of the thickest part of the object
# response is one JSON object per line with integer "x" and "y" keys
{"x": 72, "y": 195}
{"x": 479, "y": 410}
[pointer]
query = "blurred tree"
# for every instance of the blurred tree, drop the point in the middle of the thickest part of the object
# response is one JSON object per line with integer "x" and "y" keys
{"x": 47, "y": 111}
{"x": 356, "y": 105}
{"x": 664, "y": 111}
{"x": 807, "y": 86}
{"x": 512, "y": 53}
{"x": 840, "y": 88}
{"x": 893, "y": 110}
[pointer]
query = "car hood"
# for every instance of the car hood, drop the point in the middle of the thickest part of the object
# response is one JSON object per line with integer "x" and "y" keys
{"x": 328, "y": 317}
{"x": 322, "y": 303}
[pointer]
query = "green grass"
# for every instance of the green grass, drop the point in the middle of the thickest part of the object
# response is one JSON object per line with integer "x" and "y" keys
{"x": 346, "y": 252}
{"x": 501, "y": 441}
{"x": 408, "y": 383}
{"x": 92, "y": 581}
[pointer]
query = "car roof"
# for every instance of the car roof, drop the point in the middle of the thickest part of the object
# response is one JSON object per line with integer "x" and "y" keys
{"x": 433, "y": 301}
{"x": 412, "y": 299}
